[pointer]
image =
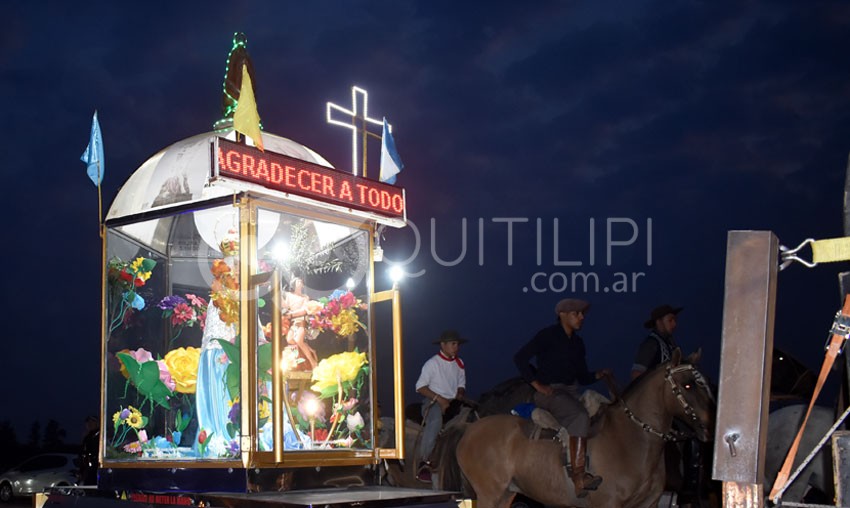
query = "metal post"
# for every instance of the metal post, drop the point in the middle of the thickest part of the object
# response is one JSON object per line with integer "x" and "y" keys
{"x": 746, "y": 355}
{"x": 841, "y": 466}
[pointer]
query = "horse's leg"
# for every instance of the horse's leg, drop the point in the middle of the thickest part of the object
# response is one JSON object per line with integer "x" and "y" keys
{"x": 484, "y": 461}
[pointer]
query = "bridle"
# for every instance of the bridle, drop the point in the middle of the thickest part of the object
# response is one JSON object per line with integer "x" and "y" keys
{"x": 673, "y": 434}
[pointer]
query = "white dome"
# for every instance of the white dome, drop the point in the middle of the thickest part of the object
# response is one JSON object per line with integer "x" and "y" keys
{"x": 178, "y": 174}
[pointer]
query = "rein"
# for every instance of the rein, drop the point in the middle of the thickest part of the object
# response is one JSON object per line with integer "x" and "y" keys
{"x": 673, "y": 434}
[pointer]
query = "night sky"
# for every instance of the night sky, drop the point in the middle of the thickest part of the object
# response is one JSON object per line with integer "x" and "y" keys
{"x": 701, "y": 117}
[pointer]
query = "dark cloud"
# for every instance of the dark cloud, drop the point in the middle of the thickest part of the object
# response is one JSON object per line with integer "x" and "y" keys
{"x": 701, "y": 116}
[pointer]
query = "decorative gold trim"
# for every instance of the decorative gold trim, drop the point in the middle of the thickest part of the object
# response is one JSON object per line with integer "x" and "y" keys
{"x": 187, "y": 463}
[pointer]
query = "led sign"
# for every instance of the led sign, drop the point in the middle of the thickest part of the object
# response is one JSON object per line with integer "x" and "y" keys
{"x": 287, "y": 174}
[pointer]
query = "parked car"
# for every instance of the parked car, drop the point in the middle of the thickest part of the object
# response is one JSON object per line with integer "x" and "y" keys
{"x": 38, "y": 473}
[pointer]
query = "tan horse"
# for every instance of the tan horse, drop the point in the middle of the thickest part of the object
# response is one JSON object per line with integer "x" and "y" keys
{"x": 499, "y": 460}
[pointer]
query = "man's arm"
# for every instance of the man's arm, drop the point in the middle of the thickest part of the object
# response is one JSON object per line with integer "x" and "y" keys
{"x": 428, "y": 393}
{"x": 644, "y": 357}
{"x": 522, "y": 358}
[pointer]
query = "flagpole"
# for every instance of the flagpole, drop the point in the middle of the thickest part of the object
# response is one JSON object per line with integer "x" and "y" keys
{"x": 99, "y": 202}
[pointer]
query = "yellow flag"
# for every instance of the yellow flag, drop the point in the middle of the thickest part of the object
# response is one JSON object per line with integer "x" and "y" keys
{"x": 246, "y": 119}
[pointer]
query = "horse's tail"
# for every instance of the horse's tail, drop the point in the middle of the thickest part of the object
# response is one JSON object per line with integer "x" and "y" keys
{"x": 445, "y": 452}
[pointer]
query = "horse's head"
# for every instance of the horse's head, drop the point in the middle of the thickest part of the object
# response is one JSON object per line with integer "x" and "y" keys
{"x": 691, "y": 399}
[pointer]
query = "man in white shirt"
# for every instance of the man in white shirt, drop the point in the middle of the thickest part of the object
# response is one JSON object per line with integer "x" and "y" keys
{"x": 442, "y": 380}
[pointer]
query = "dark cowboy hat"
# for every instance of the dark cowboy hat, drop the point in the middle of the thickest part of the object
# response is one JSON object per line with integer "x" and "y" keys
{"x": 450, "y": 336}
{"x": 659, "y": 312}
{"x": 571, "y": 305}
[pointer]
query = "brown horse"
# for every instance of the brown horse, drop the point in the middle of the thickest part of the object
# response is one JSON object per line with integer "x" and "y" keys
{"x": 499, "y": 460}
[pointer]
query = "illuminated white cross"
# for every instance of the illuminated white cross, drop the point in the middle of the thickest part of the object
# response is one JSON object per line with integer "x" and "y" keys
{"x": 359, "y": 111}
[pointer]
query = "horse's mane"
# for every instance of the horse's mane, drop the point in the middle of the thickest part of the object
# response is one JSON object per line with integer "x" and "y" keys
{"x": 643, "y": 378}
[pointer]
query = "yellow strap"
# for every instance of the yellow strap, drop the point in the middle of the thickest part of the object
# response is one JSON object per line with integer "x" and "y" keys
{"x": 831, "y": 250}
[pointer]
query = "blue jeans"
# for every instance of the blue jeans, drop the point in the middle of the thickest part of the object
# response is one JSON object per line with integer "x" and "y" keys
{"x": 432, "y": 421}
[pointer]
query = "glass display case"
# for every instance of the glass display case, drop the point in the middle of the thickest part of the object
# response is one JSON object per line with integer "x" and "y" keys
{"x": 190, "y": 305}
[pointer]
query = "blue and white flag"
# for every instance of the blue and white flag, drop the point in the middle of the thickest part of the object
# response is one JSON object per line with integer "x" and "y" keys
{"x": 93, "y": 156}
{"x": 391, "y": 164}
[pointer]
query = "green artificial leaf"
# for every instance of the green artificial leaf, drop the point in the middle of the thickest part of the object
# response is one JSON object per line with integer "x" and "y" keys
{"x": 145, "y": 377}
{"x": 232, "y": 430}
{"x": 328, "y": 392}
{"x": 232, "y": 381}
{"x": 264, "y": 361}
{"x": 178, "y": 421}
{"x": 147, "y": 265}
{"x": 231, "y": 374}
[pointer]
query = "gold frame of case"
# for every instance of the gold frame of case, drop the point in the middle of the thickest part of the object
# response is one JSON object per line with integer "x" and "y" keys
{"x": 248, "y": 453}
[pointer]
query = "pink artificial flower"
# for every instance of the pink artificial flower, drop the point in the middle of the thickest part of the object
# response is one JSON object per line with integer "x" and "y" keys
{"x": 349, "y": 404}
{"x": 197, "y": 301}
{"x": 134, "y": 447}
{"x": 165, "y": 375}
{"x": 141, "y": 355}
{"x": 202, "y": 437}
{"x": 333, "y": 307}
{"x": 347, "y": 300}
{"x": 143, "y": 436}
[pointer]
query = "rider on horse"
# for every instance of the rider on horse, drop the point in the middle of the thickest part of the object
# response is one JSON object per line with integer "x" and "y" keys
{"x": 561, "y": 365}
{"x": 442, "y": 380}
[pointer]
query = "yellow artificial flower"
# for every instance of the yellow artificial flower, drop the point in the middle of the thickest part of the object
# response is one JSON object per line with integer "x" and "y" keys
{"x": 135, "y": 418}
{"x": 345, "y": 323}
{"x": 183, "y": 365}
{"x": 339, "y": 368}
{"x": 136, "y": 266}
{"x": 263, "y": 409}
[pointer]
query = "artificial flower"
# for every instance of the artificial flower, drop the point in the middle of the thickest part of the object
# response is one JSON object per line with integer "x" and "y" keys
{"x": 182, "y": 314}
{"x": 263, "y": 410}
{"x": 183, "y": 365}
{"x": 336, "y": 369}
{"x": 234, "y": 413}
{"x": 165, "y": 375}
{"x": 134, "y": 447}
{"x": 354, "y": 422}
{"x": 339, "y": 314}
{"x": 143, "y": 436}
{"x": 349, "y": 404}
{"x": 319, "y": 435}
{"x": 135, "y": 419}
{"x": 161, "y": 442}
{"x": 170, "y": 301}
{"x": 140, "y": 355}
{"x": 197, "y": 301}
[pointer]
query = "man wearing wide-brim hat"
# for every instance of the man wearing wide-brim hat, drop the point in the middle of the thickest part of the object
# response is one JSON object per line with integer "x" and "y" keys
{"x": 442, "y": 380}
{"x": 561, "y": 365}
{"x": 658, "y": 346}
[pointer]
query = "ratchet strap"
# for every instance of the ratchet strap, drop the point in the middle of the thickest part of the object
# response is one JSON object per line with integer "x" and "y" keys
{"x": 823, "y": 251}
{"x": 839, "y": 333}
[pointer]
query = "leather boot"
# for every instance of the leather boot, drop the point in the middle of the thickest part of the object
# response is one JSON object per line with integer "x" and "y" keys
{"x": 582, "y": 480}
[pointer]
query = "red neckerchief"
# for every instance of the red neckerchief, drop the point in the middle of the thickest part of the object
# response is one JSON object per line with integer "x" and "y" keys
{"x": 456, "y": 359}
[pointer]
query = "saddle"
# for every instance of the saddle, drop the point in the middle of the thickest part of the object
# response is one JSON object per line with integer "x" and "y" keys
{"x": 540, "y": 424}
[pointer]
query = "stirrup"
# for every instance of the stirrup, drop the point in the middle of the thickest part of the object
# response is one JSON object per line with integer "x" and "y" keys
{"x": 591, "y": 481}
